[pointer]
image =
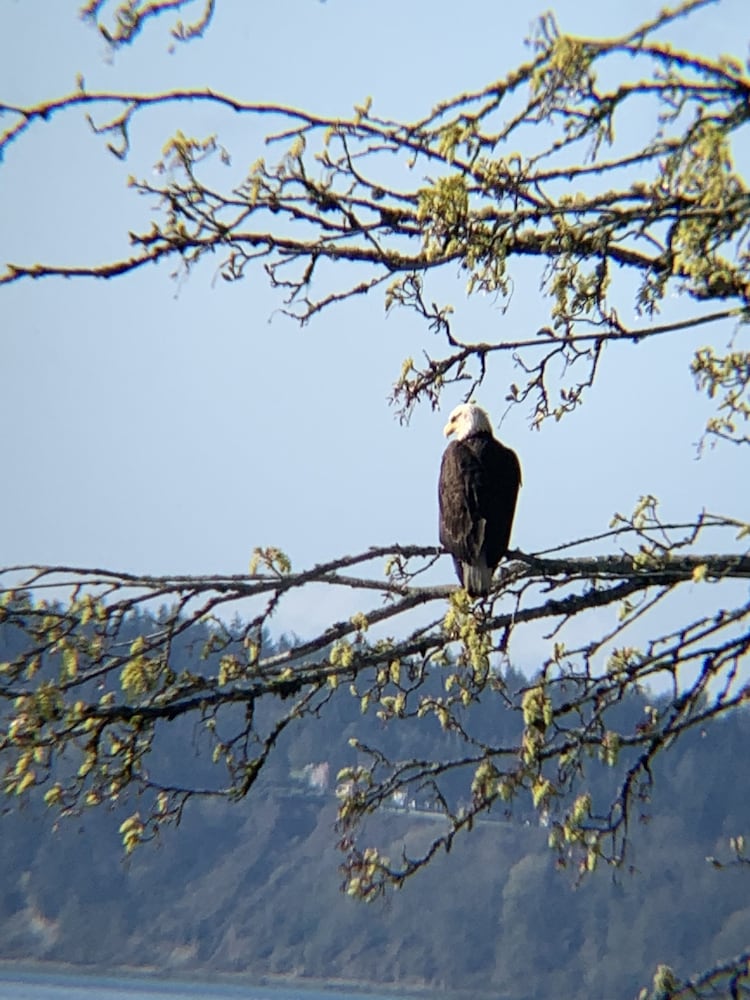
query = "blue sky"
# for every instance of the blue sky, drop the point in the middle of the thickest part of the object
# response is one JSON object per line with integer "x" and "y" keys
{"x": 161, "y": 427}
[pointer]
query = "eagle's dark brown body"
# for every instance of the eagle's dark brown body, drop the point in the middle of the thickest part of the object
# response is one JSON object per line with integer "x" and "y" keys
{"x": 478, "y": 489}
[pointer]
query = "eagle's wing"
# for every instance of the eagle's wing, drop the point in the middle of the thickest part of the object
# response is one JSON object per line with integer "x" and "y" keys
{"x": 460, "y": 496}
{"x": 500, "y": 483}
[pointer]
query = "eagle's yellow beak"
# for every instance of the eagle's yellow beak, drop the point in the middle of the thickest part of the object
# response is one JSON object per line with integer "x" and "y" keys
{"x": 449, "y": 427}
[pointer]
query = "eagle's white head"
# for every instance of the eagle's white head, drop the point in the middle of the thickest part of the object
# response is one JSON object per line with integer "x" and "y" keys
{"x": 465, "y": 420}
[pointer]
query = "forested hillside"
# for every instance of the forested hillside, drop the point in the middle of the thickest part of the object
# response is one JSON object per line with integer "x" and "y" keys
{"x": 253, "y": 888}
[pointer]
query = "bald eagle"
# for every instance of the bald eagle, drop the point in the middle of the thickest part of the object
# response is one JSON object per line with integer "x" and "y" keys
{"x": 479, "y": 482}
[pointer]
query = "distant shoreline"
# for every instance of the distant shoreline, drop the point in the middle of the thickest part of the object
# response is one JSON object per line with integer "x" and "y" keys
{"x": 151, "y": 974}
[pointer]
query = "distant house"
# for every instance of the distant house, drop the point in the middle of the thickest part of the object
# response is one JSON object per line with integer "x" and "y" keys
{"x": 313, "y": 778}
{"x": 317, "y": 777}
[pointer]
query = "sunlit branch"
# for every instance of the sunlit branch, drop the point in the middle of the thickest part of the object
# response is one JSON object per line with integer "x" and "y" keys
{"x": 130, "y": 19}
{"x": 132, "y": 102}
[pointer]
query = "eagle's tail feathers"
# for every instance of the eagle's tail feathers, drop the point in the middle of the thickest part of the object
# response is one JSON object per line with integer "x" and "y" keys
{"x": 477, "y": 578}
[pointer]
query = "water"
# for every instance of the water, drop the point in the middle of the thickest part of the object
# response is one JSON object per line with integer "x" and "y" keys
{"x": 33, "y": 985}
